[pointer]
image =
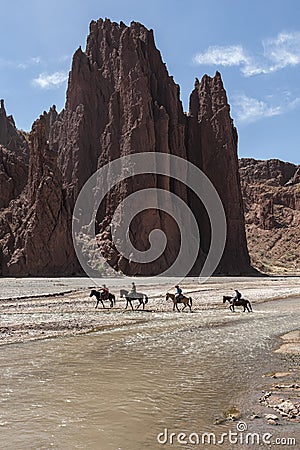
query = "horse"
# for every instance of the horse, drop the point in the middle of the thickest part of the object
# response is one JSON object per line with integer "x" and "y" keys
{"x": 242, "y": 302}
{"x": 138, "y": 296}
{"x": 187, "y": 301}
{"x": 100, "y": 298}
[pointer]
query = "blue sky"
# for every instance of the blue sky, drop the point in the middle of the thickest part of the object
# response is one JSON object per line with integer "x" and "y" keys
{"x": 254, "y": 44}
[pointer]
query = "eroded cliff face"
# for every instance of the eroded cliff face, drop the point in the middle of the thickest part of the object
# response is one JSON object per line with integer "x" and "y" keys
{"x": 271, "y": 193}
{"x": 212, "y": 146}
{"x": 13, "y": 158}
{"x": 120, "y": 101}
{"x": 35, "y": 227}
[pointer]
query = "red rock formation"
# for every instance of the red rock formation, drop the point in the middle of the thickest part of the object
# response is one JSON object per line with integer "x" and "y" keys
{"x": 271, "y": 193}
{"x": 120, "y": 100}
{"x": 36, "y": 238}
{"x": 13, "y": 158}
{"x": 212, "y": 146}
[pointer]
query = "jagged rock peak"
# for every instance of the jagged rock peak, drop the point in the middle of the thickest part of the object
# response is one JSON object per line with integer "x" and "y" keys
{"x": 211, "y": 94}
{"x": 108, "y": 39}
{"x": 10, "y": 136}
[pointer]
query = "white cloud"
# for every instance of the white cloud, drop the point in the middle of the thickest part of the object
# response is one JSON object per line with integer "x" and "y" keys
{"x": 232, "y": 55}
{"x": 248, "y": 109}
{"x": 29, "y": 63}
{"x": 49, "y": 81}
{"x": 284, "y": 50}
{"x": 279, "y": 52}
{"x": 20, "y": 65}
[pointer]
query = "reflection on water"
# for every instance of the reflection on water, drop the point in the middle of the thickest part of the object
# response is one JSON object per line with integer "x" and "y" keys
{"x": 118, "y": 389}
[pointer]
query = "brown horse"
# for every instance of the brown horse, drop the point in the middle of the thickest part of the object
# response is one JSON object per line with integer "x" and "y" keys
{"x": 187, "y": 301}
{"x": 100, "y": 298}
{"x": 242, "y": 302}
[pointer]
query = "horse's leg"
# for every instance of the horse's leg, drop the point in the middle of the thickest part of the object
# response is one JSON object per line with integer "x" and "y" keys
{"x": 126, "y": 302}
{"x": 190, "y": 307}
{"x": 97, "y": 302}
{"x": 102, "y": 303}
{"x": 174, "y": 303}
{"x": 130, "y": 302}
{"x": 177, "y": 307}
{"x": 111, "y": 303}
{"x": 143, "y": 304}
{"x": 140, "y": 302}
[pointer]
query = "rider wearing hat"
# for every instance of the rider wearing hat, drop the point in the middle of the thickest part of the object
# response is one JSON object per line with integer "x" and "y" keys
{"x": 178, "y": 291}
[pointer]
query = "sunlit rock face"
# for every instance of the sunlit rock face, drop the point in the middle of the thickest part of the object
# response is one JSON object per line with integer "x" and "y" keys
{"x": 120, "y": 101}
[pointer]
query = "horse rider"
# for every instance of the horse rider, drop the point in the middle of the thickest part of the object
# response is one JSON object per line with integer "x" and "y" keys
{"x": 237, "y": 296}
{"x": 104, "y": 292}
{"x": 178, "y": 292}
{"x": 132, "y": 293}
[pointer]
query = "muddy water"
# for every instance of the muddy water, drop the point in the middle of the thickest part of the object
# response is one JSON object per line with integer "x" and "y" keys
{"x": 118, "y": 389}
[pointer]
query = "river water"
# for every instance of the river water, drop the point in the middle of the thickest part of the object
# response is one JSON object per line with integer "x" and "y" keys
{"x": 117, "y": 389}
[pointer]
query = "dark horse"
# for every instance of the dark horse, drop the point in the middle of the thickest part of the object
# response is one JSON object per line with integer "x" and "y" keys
{"x": 187, "y": 301}
{"x": 138, "y": 296}
{"x": 242, "y": 302}
{"x": 100, "y": 298}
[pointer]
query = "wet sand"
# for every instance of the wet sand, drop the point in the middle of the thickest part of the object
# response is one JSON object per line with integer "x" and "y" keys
{"x": 62, "y": 308}
{"x": 283, "y": 394}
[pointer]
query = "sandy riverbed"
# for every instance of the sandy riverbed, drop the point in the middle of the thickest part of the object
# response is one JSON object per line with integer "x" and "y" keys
{"x": 38, "y": 308}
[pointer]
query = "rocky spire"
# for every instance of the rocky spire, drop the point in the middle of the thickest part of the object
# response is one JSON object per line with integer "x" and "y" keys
{"x": 212, "y": 146}
{"x": 120, "y": 100}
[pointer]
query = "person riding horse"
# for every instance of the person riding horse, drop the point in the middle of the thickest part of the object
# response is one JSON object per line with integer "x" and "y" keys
{"x": 237, "y": 296}
{"x": 132, "y": 293}
{"x": 104, "y": 292}
{"x": 178, "y": 293}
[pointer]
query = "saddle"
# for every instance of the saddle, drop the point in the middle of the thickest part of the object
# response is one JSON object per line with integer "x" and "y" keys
{"x": 104, "y": 295}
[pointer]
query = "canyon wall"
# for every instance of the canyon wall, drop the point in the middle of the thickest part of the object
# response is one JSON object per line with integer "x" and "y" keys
{"x": 120, "y": 101}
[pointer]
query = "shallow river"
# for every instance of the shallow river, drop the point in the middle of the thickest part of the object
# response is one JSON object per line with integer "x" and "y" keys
{"x": 118, "y": 389}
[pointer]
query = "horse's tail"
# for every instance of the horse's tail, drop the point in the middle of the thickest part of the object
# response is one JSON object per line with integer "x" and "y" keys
{"x": 191, "y": 301}
{"x": 146, "y": 299}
